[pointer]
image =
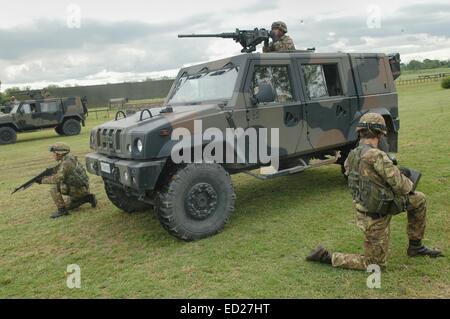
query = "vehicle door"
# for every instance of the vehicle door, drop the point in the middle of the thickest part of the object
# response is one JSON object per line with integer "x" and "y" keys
{"x": 50, "y": 113}
{"x": 284, "y": 111}
{"x": 328, "y": 109}
{"x": 25, "y": 117}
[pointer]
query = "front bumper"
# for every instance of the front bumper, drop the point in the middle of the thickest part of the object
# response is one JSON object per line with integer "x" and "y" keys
{"x": 138, "y": 175}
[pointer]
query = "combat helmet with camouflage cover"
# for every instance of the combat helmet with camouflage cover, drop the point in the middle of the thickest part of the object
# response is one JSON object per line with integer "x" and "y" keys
{"x": 59, "y": 148}
{"x": 280, "y": 25}
{"x": 372, "y": 122}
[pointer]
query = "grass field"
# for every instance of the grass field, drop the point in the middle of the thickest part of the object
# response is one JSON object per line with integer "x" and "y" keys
{"x": 259, "y": 254}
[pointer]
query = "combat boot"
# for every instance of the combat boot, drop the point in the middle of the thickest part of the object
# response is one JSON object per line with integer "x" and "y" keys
{"x": 422, "y": 250}
{"x": 60, "y": 213}
{"x": 88, "y": 199}
{"x": 321, "y": 255}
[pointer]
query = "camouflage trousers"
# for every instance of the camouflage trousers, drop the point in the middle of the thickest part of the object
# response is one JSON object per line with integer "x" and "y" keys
{"x": 75, "y": 194}
{"x": 376, "y": 235}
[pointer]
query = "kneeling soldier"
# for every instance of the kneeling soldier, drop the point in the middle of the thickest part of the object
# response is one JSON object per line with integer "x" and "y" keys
{"x": 70, "y": 179}
{"x": 379, "y": 191}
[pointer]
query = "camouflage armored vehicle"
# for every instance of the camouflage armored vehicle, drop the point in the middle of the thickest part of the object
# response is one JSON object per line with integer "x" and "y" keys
{"x": 314, "y": 100}
{"x": 65, "y": 115}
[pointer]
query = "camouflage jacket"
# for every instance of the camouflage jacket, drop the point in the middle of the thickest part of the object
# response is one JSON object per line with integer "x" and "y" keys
{"x": 69, "y": 171}
{"x": 285, "y": 43}
{"x": 381, "y": 171}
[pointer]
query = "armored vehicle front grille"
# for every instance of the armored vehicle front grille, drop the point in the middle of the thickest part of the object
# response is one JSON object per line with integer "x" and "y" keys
{"x": 109, "y": 140}
{"x": 118, "y": 140}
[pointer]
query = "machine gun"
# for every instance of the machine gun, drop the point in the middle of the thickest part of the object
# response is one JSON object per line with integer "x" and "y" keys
{"x": 249, "y": 39}
{"x": 37, "y": 179}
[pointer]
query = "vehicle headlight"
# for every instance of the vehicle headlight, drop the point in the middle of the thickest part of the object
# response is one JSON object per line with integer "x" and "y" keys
{"x": 129, "y": 148}
{"x": 139, "y": 145}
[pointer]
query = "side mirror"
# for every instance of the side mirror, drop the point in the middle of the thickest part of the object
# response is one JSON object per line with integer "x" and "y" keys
{"x": 266, "y": 94}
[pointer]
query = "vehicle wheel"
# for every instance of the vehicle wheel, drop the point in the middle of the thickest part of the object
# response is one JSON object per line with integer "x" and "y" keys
{"x": 123, "y": 201}
{"x": 7, "y": 135}
{"x": 58, "y": 130}
{"x": 196, "y": 201}
{"x": 71, "y": 127}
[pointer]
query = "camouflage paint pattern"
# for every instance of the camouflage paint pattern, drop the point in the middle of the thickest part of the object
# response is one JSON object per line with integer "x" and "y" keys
{"x": 378, "y": 167}
{"x": 376, "y": 244}
{"x": 39, "y": 118}
{"x": 70, "y": 179}
{"x": 307, "y": 125}
{"x": 285, "y": 43}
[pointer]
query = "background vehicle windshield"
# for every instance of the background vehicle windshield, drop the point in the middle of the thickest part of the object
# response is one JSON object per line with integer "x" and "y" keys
{"x": 206, "y": 86}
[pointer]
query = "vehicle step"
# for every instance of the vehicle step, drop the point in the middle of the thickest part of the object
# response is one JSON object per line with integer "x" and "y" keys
{"x": 292, "y": 170}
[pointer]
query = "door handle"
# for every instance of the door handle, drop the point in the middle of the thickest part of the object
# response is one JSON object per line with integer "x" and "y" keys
{"x": 340, "y": 111}
{"x": 290, "y": 119}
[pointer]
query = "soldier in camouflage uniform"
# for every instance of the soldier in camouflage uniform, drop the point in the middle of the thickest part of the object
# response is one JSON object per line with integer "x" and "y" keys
{"x": 281, "y": 41}
{"x": 380, "y": 190}
{"x": 70, "y": 179}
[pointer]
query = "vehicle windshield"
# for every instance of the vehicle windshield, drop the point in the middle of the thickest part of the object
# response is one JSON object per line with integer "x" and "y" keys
{"x": 15, "y": 108}
{"x": 205, "y": 86}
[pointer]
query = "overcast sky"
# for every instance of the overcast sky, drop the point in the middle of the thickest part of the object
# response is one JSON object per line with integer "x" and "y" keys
{"x": 44, "y": 42}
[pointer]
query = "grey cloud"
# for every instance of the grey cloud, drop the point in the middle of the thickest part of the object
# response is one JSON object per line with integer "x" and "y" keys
{"x": 55, "y": 35}
{"x": 406, "y": 21}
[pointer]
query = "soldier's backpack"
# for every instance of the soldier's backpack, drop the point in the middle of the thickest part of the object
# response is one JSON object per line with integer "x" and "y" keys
{"x": 377, "y": 198}
{"x": 78, "y": 177}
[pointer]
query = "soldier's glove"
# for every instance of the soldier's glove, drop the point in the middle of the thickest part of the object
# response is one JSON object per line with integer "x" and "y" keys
{"x": 405, "y": 171}
{"x": 393, "y": 159}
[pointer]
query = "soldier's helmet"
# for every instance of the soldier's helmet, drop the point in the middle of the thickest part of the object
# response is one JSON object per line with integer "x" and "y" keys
{"x": 59, "y": 148}
{"x": 280, "y": 25}
{"x": 372, "y": 122}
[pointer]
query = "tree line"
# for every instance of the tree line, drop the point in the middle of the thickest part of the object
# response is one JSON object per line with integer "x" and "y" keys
{"x": 415, "y": 65}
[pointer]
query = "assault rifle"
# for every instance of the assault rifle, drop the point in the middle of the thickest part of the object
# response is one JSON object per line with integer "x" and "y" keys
{"x": 249, "y": 39}
{"x": 37, "y": 179}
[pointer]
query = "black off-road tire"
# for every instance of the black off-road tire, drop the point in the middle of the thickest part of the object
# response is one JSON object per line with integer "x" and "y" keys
{"x": 71, "y": 127}
{"x": 123, "y": 201}
{"x": 8, "y": 135}
{"x": 195, "y": 201}
{"x": 58, "y": 130}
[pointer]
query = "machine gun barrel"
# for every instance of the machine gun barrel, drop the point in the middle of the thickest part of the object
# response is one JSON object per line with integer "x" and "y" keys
{"x": 229, "y": 35}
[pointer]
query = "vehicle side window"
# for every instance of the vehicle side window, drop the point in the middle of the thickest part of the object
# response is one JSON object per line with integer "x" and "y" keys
{"x": 26, "y": 108}
{"x": 322, "y": 80}
{"x": 278, "y": 77}
{"x": 49, "y": 107}
{"x": 33, "y": 107}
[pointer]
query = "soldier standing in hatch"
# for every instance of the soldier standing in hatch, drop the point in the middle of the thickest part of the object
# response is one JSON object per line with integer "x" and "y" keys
{"x": 373, "y": 176}
{"x": 70, "y": 179}
{"x": 281, "y": 41}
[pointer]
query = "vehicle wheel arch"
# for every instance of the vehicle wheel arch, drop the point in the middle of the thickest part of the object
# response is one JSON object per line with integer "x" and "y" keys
{"x": 353, "y": 136}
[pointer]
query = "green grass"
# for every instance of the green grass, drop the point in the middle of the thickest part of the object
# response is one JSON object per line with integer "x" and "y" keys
{"x": 259, "y": 254}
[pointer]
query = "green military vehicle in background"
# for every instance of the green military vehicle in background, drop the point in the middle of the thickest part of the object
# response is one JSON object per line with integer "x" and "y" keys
{"x": 65, "y": 115}
{"x": 314, "y": 99}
